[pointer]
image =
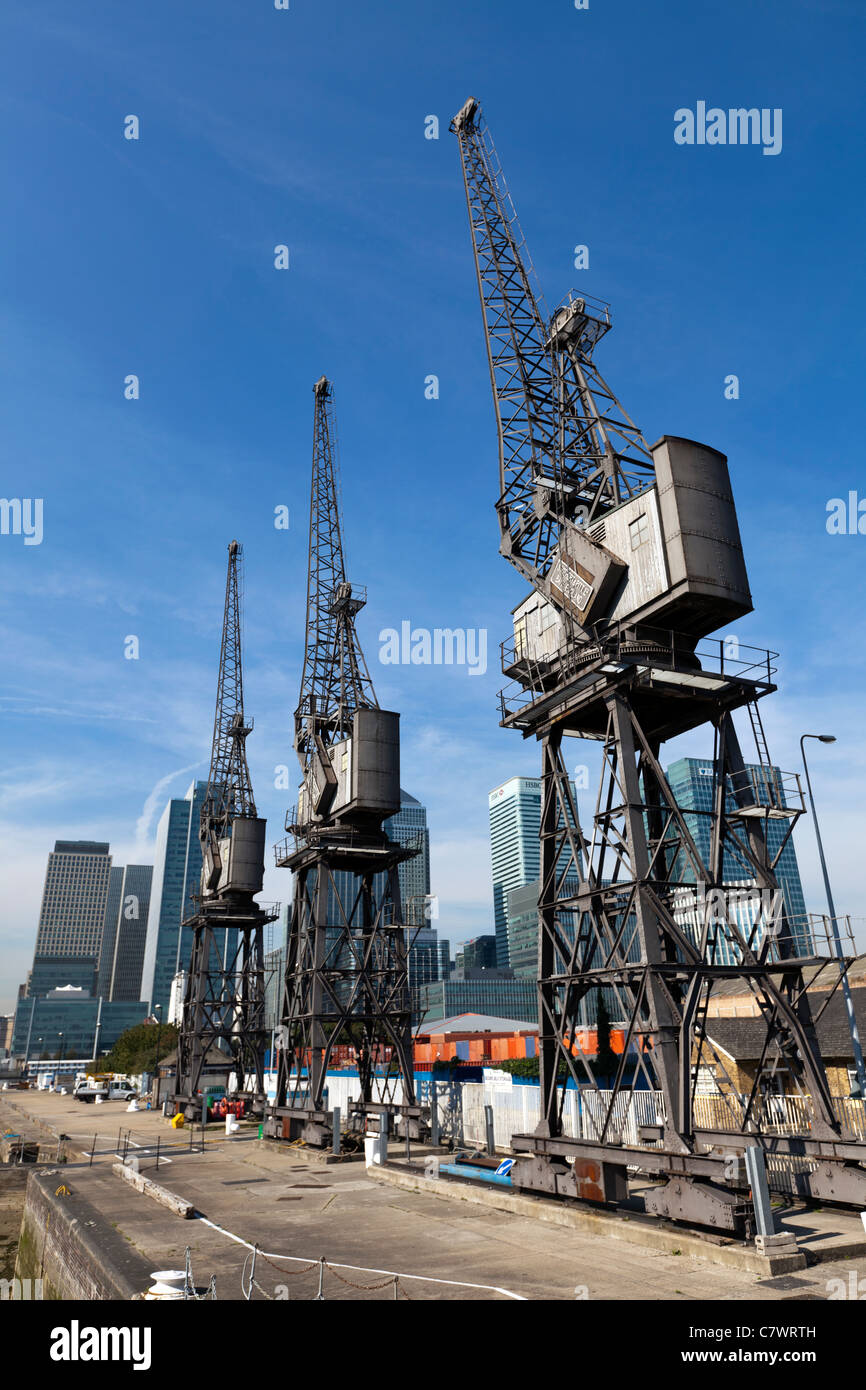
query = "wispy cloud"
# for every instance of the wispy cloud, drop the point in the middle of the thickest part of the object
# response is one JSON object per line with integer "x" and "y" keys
{"x": 152, "y": 802}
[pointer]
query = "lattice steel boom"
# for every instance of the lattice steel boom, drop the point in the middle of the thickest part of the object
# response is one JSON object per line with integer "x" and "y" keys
{"x": 335, "y": 680}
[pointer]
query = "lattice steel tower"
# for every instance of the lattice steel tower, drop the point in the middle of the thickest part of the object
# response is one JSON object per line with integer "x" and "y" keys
{"x": 224, "y": 1003}
{"x": 346, "y": 981}
{"x": 633, "y": 557}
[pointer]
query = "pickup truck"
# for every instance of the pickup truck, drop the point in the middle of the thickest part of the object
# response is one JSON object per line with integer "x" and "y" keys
{"x": 87, "y": 1091}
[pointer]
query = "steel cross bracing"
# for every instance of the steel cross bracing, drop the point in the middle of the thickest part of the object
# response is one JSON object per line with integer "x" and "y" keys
{"x": 224, "y": 1004}
{"x": 657, "y": 925}
{"x": 638, "y": 930}
{"x": 224, "y": 1001}
{"x": 346, "y": 981}
{"x": 567, "y": 449}
{"x": 229, "y": 790}
{"x": 335, "y": 680}
{"x": 633, "y": 926}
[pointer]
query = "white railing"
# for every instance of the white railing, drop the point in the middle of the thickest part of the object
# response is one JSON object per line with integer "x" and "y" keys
{"x": 517, "y": 1109}
{"x": 777, "y": 1114}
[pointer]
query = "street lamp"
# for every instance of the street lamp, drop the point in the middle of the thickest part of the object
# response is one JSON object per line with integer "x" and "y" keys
{"x": 157, "y": 1009}
{"x": 60, "y": 1052}
{"x": 837, "y": 941}
{"x": 27, "y": 1056}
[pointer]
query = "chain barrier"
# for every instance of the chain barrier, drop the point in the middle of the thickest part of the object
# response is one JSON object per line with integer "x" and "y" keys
{"x": 189, "y": 1284}
{"x": 287, "y": 1273}
{"x": 250, "y": 1282}
{"x": 371, "y": 1288}
{"x": 389, "y": 1277}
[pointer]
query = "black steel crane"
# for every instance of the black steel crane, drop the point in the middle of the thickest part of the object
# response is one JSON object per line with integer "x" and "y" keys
{"x": 224, "y": 1000}
{"x": 633, "y": 557}
{"x": 346, "y": 982}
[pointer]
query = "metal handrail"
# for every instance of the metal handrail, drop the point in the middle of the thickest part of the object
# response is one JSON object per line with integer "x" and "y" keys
{"x": 651, "y": 647}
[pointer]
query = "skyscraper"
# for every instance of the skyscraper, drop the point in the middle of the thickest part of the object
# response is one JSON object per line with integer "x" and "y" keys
{"x": 522, "y": 927}
{"x": 130, "y": 932}
{"x": 515, "y": 821}
{"x": 523, "y": 943}
{"x": 691, "y": 781}
{"x": 428, "y": 957}
{"x": 58, "y": 1012}
{"x": 176, "y": 876}
{"x": 72, "y": 917}
{"x": 109, "y": 932}
{"x": 479, "y": 953}
{"x": 515, "y": 852}
{"x": 408, "y": 824}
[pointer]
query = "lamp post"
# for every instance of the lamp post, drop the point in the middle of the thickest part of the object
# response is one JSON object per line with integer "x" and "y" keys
{"x": 837, "y": 941}
{"x": 60, "y": 1051}
{"x": 157, "y": 1009}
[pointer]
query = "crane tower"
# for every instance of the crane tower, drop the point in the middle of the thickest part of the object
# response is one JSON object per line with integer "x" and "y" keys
{"x": 346, "y": 983}
{"x": 224, "y": 1002}
{"x": 632, "y": 556}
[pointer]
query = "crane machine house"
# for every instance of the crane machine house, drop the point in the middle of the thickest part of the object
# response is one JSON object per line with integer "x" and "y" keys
{"x": 239, "y": 865}
{"x": 669, "y": 557}
{"x": 358, "y": 776}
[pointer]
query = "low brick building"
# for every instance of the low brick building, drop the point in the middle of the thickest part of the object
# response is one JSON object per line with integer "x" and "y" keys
{"x": 737, "y": 1032}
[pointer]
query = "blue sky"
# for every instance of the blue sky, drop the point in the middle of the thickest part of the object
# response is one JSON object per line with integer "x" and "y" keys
{"x": 155, "y": 257}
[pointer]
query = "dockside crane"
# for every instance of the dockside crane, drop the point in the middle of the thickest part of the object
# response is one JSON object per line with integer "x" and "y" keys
{"x": 346, "y": 982}
{"x": 633, "y": 558}
{"x": 224, "y": 1001}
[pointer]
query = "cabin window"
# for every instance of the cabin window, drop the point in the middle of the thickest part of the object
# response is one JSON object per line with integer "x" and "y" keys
{"x": 639, "y": 530}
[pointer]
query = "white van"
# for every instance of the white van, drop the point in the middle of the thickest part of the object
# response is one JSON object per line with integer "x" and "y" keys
{"x": 109, "y": 1090}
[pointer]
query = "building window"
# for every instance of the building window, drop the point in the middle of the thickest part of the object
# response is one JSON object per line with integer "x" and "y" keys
{"x": 638, "y": 530}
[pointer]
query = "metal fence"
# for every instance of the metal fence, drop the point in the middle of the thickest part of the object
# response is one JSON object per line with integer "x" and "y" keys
{"x": 516, "y": 1110}
{"x": 777, "y": 1114}
{"x": 149, "y": 1153}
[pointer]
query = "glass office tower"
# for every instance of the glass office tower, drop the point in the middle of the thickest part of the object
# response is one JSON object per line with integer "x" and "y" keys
{"x": 691, "y": 781}
{"x": 176, "y": 877}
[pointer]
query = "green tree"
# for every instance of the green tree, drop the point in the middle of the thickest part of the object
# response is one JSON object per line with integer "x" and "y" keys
{"x": 520, "y": 1066}
{"x": 444, "y": 1063}
{"x": 606, "y": 1060}
{"x": 135, "y": 1050}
